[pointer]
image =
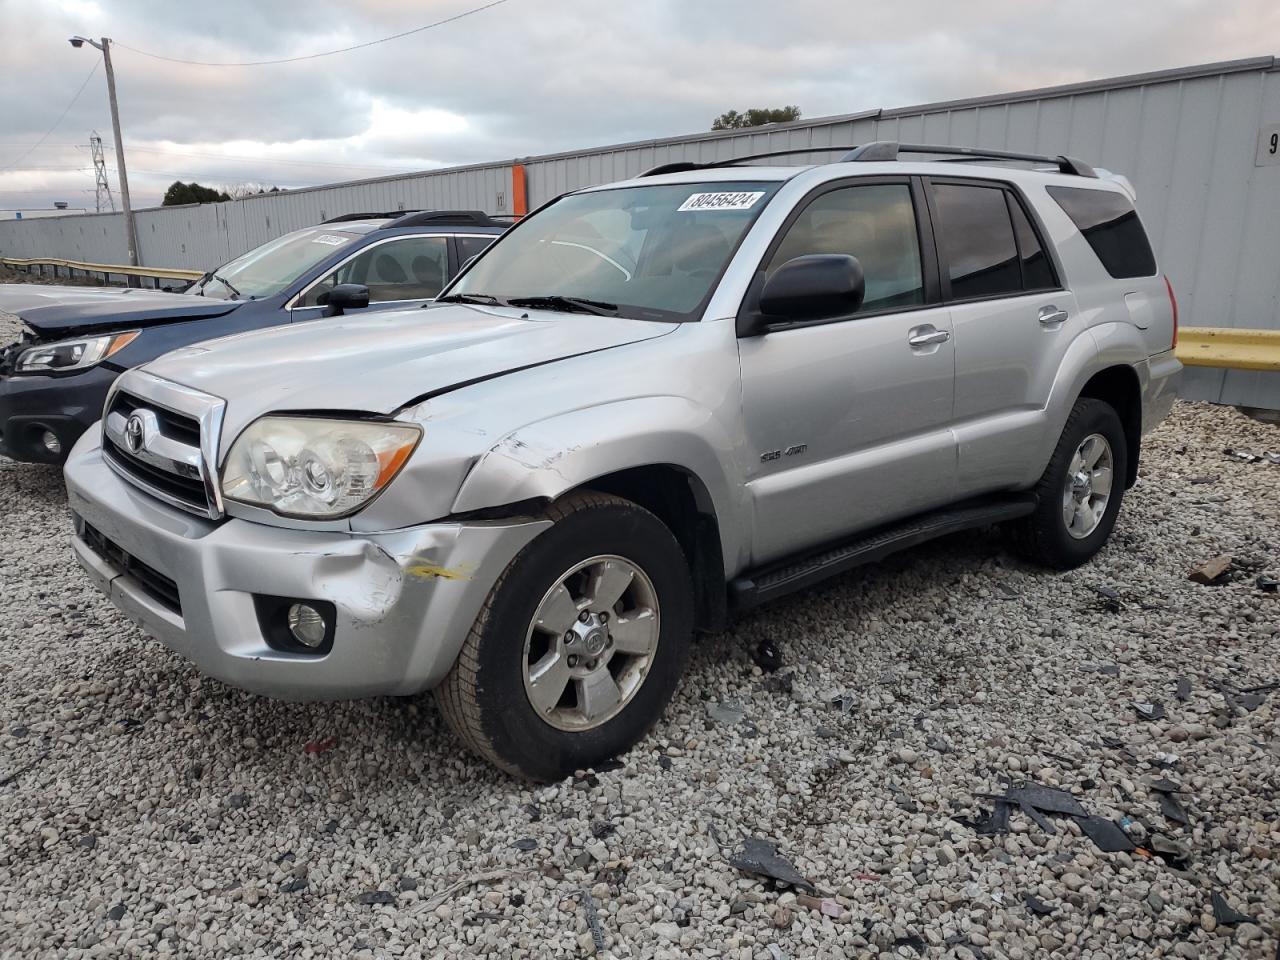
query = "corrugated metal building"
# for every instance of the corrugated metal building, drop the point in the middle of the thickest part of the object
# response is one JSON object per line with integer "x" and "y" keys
{"x": 1201, "y": 145}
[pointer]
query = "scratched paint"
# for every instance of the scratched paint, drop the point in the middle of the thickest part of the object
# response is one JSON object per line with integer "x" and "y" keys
{"x": 424, "y": 569}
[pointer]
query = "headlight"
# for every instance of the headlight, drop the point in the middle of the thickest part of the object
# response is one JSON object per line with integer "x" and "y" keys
{"x": 311, "y": 467}
{"x": 73, "y": 354}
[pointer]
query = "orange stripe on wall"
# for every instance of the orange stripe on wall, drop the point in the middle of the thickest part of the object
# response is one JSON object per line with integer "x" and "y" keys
{"x": 519, "y": 190}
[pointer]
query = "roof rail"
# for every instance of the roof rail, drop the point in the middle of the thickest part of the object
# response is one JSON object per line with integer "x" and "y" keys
{"x": 890, "y": 149}
{"x": 420, "y": 218}
{"x": 348, "y": 217}
{"x": 683, "y": 166}
{"x": 882, "y": 150}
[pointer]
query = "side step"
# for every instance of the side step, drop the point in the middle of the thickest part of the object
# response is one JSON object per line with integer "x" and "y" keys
{"x": 756, "y": 587}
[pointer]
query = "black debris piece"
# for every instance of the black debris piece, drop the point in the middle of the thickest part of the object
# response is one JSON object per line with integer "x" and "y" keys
{"x": 997, "y": 821}
{"x": 1224, "y": 913}
{"x": 1164, "y": 785}
{"x": 116, "y": 912}
{"x": 1149, "y": 711}
{"x": 767, "y": 656}
{"x": 1112, "y": 743}
{"x": 1036, "y": 905}
{"x": 296, "y": 885}
{"x": 1038, "y": 818}
{"x": 844, "y": 702}
{"x": 1003, "y": 591}
{"x": 1109, "y": 598}
{"x": 534, "y": 811}
{"x": 1173, "y": 852}
{"x": 1267, "y": 584}
{"x": 593, "y": 919}
{"x": 912, "y": 942}
{"x": 1045, "y": 799}
{"x": 19, "y": 731}
{"x": 526, "y": 844}
{"x": 376, "y": 897}
{"x": 1183, "y": 689}
{"x": 406, "y": 884}
{"x": 1106, "y": 835}
{"x": 1110, "y": 669}
{"x": 602, "y": 828}
{"x": 1250, "y": 701}
{"x": 903, "y": 799}
{"x": 760, "y": 857}
{"x": 664, "y": 761}
{"x": 780, "y": 682}
{"x": 330, "y": 827}
{"x": 88, "y": 841}
{"x": 1172, "y": 809}
{"x": 935, "y": 742}
{"x": 608, "y": 766}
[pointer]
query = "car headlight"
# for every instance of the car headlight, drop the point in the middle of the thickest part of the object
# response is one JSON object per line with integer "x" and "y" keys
{"x": 73, "y": 354}
{"x": 313, "y": 467}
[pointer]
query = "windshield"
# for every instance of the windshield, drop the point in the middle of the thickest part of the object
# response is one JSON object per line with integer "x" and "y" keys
{"x": 270, "y": 268}
{"x": 649, "y": 252}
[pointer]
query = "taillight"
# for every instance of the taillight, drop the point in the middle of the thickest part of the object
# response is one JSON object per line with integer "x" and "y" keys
{"x": 1173, "y": 303}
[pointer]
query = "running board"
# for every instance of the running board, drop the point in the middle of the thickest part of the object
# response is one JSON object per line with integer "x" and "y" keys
{"x": 756, "y": 587}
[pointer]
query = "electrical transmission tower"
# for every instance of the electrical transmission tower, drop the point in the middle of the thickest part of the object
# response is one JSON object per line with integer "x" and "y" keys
{"x": 100, "y": 175}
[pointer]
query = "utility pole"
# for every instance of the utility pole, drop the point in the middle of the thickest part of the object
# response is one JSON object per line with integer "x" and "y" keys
{"x": 102, "y": 189}
{"x": 131, "y": 235}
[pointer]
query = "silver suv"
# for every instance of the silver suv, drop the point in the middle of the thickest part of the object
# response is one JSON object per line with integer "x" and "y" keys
{"x": 650, "y": 405}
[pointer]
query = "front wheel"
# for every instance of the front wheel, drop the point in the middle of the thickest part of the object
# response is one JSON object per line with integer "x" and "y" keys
{"x": 579, "y": 645}
{"x": 1080, "y": 491}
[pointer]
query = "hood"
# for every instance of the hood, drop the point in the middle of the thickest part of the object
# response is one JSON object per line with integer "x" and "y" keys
{"x": 380, "y": 362}
{"x": 60, "y": 311}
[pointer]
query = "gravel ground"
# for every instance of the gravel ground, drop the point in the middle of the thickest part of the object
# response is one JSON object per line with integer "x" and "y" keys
{"x": 145, "y": 810}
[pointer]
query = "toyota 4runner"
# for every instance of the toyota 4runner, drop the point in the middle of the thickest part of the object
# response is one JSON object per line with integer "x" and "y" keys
{"x": 647, "y": 406}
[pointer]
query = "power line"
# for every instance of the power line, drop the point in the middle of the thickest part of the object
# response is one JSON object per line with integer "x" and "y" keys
{"x": 312, "y": 56}
{"x": 62, "y": 115}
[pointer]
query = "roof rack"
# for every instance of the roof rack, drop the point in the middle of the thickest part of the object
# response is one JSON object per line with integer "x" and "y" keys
{"x": 348, "y": 217}
{"x": 419, "y": 218}
{"x": 882, "y": 150}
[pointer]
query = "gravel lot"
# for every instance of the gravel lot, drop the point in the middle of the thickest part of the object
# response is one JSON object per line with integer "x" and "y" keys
{"x": 145, "y": 810}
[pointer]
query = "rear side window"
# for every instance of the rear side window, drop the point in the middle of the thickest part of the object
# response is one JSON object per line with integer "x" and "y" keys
{"x": 1111, "y": 225}
{"x": 1037, "y": 271}
{"x": 471, "y": 246}
{"x": 976, "y": 238}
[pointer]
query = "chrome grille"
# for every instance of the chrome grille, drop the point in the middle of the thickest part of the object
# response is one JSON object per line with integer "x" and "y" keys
{"x": 162, "y": 438}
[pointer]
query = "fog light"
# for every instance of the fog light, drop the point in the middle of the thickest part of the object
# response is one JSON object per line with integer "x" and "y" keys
{"x": 51, "y": 442}
{"x": 307, "y": 625}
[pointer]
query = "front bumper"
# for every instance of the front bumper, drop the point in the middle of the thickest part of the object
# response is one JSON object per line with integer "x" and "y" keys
{"x": 66, "y": 405}
{"x": 404, "y": 600}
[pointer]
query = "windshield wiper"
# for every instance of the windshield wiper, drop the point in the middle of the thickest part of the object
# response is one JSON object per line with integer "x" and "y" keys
{"x": 234, "y": 292}
{"x": 569, "y": 304}
{"x": 484, "y": 299}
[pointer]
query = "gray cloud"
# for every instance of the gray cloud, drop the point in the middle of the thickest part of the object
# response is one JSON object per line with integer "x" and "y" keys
{"x": 530, "y": 76}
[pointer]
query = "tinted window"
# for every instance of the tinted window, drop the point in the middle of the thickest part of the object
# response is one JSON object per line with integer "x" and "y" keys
{"x": 875, "y": 223}
{"x": 1111, "y": 225}
{"x": 414, "y": 268}
{"x": 469, "y": 247}
{"x": 976, "y": 238}
{"x": 1037, "y": 271}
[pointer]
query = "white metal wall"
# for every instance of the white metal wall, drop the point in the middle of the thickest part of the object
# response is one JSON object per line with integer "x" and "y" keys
{"x": 1187, "y": 138}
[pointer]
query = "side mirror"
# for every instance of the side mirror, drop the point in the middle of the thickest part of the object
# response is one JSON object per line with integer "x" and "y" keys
{"x": 347, "y": 296}
{"x": 820, "y": 286}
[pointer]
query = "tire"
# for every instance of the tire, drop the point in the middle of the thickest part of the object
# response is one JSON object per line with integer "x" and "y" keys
{"x": 1044, "y": 536}
{"x": 488, "y": 696}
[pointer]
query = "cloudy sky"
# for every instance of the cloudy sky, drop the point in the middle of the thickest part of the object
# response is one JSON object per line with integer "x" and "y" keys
{"x": 525, "y": 76}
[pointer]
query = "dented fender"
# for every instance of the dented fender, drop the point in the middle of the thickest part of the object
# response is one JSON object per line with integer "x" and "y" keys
{"x": 546, "y": 459}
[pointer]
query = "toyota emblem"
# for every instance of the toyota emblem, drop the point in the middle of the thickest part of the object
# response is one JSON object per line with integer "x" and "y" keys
{"x": 134, "y": 433}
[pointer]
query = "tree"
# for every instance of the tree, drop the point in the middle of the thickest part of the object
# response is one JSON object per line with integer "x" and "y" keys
{"x": 180, "y": 193}
{"x": 733, "y": 120}
{"x": 241, "y": 190}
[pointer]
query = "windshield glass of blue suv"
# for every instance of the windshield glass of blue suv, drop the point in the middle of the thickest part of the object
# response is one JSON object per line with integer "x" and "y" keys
{"x": 653, "y": 252}
{"x": 266, "y": 270}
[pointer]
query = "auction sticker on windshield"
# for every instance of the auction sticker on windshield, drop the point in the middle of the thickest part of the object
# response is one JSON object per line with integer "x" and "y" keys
{"x": 330, "y": 240}
{"x": 721, "y": 201}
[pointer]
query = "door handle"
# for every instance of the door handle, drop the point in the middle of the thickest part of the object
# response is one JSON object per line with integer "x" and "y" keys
{"x": 1050, "y": 315}
{"x": 927, "y": 337}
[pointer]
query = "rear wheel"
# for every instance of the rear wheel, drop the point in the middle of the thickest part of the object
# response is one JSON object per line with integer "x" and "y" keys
{"x": 1080, "y": 491}
{"x": 580, "y": 643}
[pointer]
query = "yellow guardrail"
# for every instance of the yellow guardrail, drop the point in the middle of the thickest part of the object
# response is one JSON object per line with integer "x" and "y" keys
{"x": 157, "y": 273}
{"x": 1228, "y": 347}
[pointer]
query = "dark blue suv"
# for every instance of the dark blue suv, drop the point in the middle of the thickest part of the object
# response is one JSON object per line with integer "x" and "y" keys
{"x": 77, "y": 340}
